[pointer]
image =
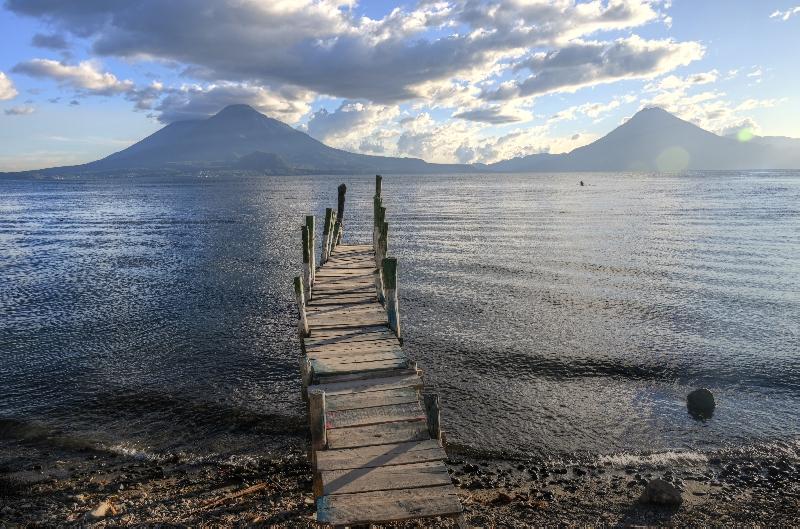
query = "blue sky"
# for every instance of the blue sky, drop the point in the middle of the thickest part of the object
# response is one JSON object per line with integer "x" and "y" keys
{"x": 464, "y": 81}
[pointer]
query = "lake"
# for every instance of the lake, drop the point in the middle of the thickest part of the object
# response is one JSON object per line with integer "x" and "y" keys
{"x": 155, "y": 316}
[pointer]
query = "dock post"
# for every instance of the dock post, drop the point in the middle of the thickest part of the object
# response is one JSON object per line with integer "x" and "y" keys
{"x": 312, "y": 247}
{"x": 390, "y": 294}
{"x": 379, "y": 222}
{"x": 331, "y": 241}
{"x": 338, "y": 231}
{"x": 299, "y": 295}
{"x": 326, "y": 235}
{"x": 377, "y": 202}
{"x": 316, "y": 412}
{"x": 433, "y": 415}
{"x": 306, "y": 264}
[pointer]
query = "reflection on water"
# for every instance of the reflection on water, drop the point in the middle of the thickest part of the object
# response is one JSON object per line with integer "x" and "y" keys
{"x": 157, "y": 314}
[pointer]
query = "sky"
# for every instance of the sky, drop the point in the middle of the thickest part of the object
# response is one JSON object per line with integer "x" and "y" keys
{"x": 447, "y": 81}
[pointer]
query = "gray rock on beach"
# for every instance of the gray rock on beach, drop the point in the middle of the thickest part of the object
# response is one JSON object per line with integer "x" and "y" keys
{"x": 700, "y": 403}
{"x": 660, "y": 492}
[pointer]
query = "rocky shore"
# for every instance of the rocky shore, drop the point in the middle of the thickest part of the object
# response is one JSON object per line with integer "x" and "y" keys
{"x": 45, "y": 487}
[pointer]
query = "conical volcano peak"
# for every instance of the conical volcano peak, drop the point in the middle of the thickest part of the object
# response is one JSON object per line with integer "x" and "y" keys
{"x": 239, "y": 109}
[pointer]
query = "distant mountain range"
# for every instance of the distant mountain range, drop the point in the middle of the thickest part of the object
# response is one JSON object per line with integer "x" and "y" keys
{"x": 240, "y": 138}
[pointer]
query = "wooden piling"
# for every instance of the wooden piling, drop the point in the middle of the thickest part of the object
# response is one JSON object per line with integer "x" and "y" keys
{"x": 390, "y": 294}
{"x": 306, "y": 263}
{"x": 339, "y": 229}
{"x": 433, "y": 415}
{"x": 378, "y": 184}
{"x": 326, "y": 235}
{"x": 316, "y": 413}
{"x": 312, "y": 247}
{"x": 299, "y": 295}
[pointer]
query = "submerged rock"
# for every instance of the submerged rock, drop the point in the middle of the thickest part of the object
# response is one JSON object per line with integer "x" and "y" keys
{"x": 660, "y": 492}
{"x": 700, "y": 403}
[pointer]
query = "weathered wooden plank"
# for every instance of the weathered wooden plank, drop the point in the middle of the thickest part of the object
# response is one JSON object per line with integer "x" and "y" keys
{"x": 364, "y": 374}
{"x": 347, "y": 310}
{"x": 341, "y": 335}
{"x": 393, "y": 477}
{"x": 377, "y": 384}
{"x": 380, "y": 456}
{"x": 343, "y": 299}
{"x": 382, "y": 507}
{"x": 354, "y": 357}
{"x": 326, "y": 367}
{"x": 379, "y": 347}
{"x": 378, "y": 434}
{"x": 315, "y": 324}
{"x": 411, "y": 411}
{"x": 351, "y": 401}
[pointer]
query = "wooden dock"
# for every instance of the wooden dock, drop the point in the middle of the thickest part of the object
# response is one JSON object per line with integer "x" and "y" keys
{"x": 376, "y": 445}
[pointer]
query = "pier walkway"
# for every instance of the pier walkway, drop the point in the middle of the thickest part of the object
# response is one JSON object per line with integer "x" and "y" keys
{"x": 376, "y": 445}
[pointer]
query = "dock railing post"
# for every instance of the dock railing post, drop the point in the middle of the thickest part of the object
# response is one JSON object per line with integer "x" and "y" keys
{"x": 306, "y": 264}
{"x": 390, "y": 294}
{"x": 377, "y": 202}
{"x": 316, "y": 412}
{"x": 299, "y": 295}
{"x": 338, "y": 232}
{"x": 331, "y": 241}
{"x": 433, "y": 414}
{"x": 326, "y": 235}
{"x": 312, "y": 247}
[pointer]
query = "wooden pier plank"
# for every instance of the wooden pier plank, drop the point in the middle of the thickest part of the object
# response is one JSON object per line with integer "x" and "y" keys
{"x": 371, "y": 479}
{"x": 381, "y": 507}
{"x": 380, "y": 455}
{"x": 378, "y": 434}
{"x": 353, "y": 401}
{"x": 411, "y": 411}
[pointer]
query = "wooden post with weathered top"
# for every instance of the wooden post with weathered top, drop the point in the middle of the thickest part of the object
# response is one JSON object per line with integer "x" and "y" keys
{"x": 316, "y": 413}
{"x": 339, "y": 229}
{"x": 299, "y": 296}
{"x": 390, "y": 294}
{"x": 433, "y": 415}
{"x": 312, "y": 247}
{"x": 326, "y": 235}
{"x": 306, "y": 263}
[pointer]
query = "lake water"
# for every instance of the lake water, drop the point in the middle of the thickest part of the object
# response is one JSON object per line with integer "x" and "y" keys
{"x": 156, "y": 316}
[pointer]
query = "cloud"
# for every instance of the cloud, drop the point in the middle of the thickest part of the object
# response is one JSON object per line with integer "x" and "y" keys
{"x": 201, "y": 101}
{"x": 581, "y": 64}
{"x": 7, "y": 89}
{"x": 785, "y": 15}
{"x": 494, "y": 115}
{"x": 54, "y": 41}
{"x": 19, "y": 111}
{"x": 322, "y": 46}
{"x": 357, "y": 126}
{"x": 707, "y": 108}
{"x": 84, "y": 76}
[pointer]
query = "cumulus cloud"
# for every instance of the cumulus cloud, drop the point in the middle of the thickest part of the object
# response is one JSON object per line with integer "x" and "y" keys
{"x": 19, "y": 111}
{"x": 7, "y": 89}
{"x": 785, "y": 15}
{"x": 707, "y": 108}
{"x": 54, "y": 41}
{"x": 200, "y": 101}
{"x": 495, "y": 115}
{"x": 322, "y": 46}
{"x": 581, "y": 64}
{"x": 84, "y": 76}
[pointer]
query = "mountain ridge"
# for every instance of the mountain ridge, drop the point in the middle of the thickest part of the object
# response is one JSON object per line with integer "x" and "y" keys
{"x": 240, "y": 138}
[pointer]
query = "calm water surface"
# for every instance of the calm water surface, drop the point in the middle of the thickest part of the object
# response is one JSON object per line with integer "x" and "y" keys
{"x": 157, "y": 315}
